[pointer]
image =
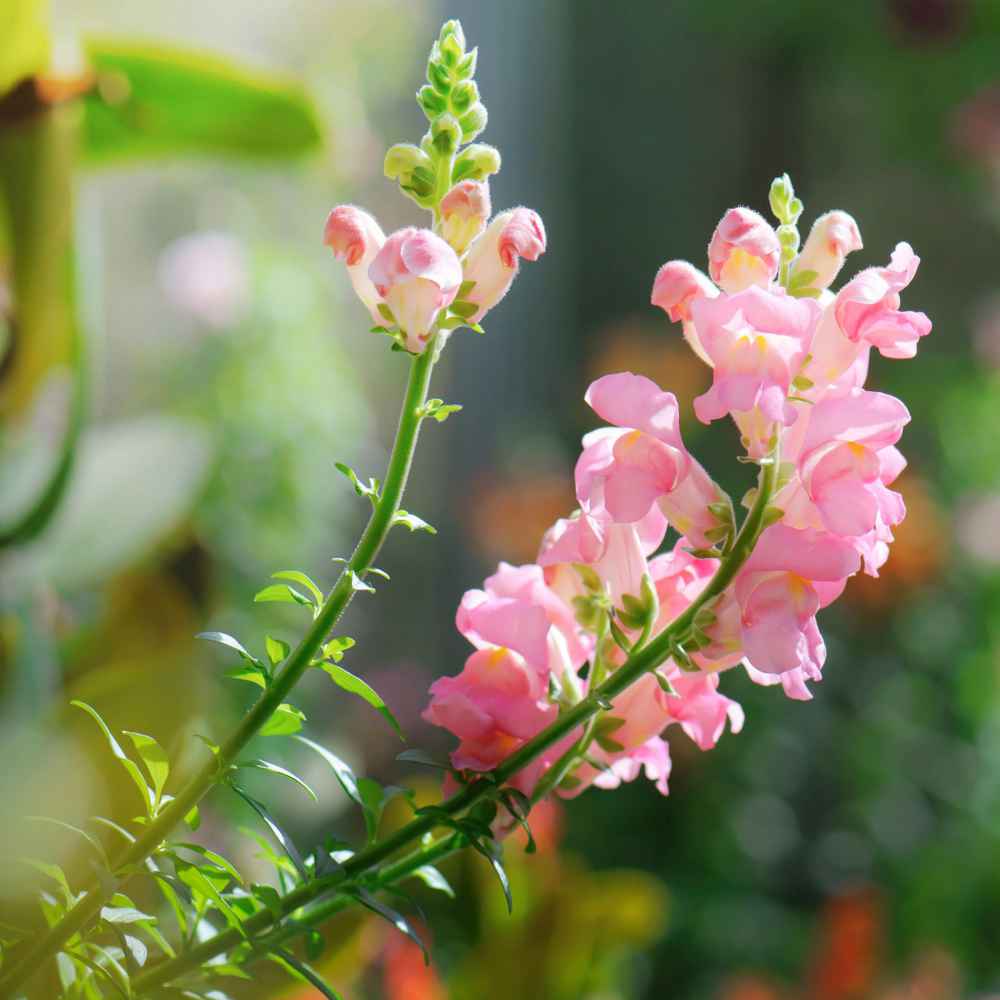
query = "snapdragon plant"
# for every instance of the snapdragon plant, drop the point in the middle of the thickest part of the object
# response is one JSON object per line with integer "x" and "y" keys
{"x": 582, "y": 659}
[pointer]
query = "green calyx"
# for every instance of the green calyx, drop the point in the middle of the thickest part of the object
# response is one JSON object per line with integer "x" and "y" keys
{"x": 450, "y": 100}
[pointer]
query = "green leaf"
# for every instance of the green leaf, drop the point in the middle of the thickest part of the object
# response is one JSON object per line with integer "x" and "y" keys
{"x": 343, "y": 678}
{"x": 217, "y": 859}
{"x": 371, "y": 490}
{"x": 465, "y": 309}
{"x": 277, "y": 650}
{"x": 278, "y": 832}
{"x": 265, "y": 765}
{"x": 269, "y": 896}
{"x": 285, "y": 719}
{"x": 416, "y": 756}
{"x": 124, "y": 915}
{"x": 250, "y": 675}
{"x": 155, "y": 101}
{"x": 491, "y": 852}
{"x": 412, "y": 522}
{"x": 155, "y": 759}
{"x": 225, "y": 639}
{"x": 281, "y": 593}
{"x": 372, "y": 803}
{"x": 130, "y": 766}
{"x": 335, "y": 648}
{"x": 433, "y": 879}
{"x": 302, "y": 971}
{"x": 396, "y": 919}
{"x": 193, "y": 819}
{"x": 358, "y": 585}
{"x": 201, "y": 883}
{"x": 297, "y": 577}
{"x": 342, "y": 772}
{"x": 136, "y": 948}
{"x": 91, "y": 840}
{"x": 55, "y": 873}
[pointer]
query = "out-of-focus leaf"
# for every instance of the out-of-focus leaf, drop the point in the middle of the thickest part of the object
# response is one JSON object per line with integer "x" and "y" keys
{"x": 217, "y": 859}
{"x": 133, "y": 484}
{"x": 417, "y": 756}
{"x": 355, "y": 685}
{"x": 91, "y": 840}
{"x": 201, "y": 882}
{"x": 224, "y": 639}
{"x": 433, "y": 879}
{"x": 285, "y": 720}
{"x": 123, "y": 915}
{"x": 24, "y": 44}
{"x": 155, "y": 101}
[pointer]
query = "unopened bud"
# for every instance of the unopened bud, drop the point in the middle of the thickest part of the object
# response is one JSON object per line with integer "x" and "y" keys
{"x": 432, "y": 103}
{"x": 446, "y": 134}
{"x": 464, "y": 96}
{"x": 476, "y": 162}
{"x": 473, "y": 122}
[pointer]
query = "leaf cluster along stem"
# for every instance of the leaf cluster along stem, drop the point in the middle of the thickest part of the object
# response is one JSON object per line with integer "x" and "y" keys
{"x": 100, "y": 892}
{"x": 357, "y": 868}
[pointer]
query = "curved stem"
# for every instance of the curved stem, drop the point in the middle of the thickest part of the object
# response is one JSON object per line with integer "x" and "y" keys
{"x": 640, "y": 662}
{"x": 379, "y": 524}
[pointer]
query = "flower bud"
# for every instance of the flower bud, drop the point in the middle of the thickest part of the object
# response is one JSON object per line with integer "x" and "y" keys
{"x": 465, "y": 210}
{"x": 677, "y": 285}
{"x": 464, "y": 96}
{"x": 451, "y": 41}
{"x": 492, "y": 261}
{"x": 431, "y": 102}
{"x": 417, "y": 275}
{"x": 476, "y": 162}
{"x": 446, "y": 134}
{"x": 413, "y": 170}
{"x": 356, "y": 238}
{"x": 744, "y": 251}
{"x": 832, "y": 237}
{"x": 473, "y": 122}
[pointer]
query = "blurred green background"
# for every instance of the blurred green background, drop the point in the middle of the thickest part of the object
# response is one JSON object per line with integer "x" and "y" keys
{"x": 848, "y": 847}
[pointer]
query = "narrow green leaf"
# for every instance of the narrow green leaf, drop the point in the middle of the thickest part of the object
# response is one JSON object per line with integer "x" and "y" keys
{"x": 433, "y": 879}
{"x": 200, "y": 882}
{"x": 217, "y": 859}
{"x": 224, "y": 639}
{"x": 305, "y": 972}
{"x": 130, "y": 765}
{"x": 124, "y": 915}
{"x": 286, "y": 719}
{"x": 277, "y": 650}
{"x": 266, "y": 765}
{"x": 491, "y": 852}
{"x": 396, "y": 919}
{"x": 298, "y": 577}
{"x": 155, "y": 759}
{"x": 277, "y": 831}
{"x": 281, "y": 593}
{"x": 136, "y": 948}
{"x": 343, "y": 678}
{"x": 341, "y": 770}
{"x": 412, "y": 522}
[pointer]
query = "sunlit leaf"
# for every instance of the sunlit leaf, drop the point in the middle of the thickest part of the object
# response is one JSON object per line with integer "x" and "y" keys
{"x": 201, "y": 882}
{"x": 411, "y": 521}
{"x": 217, "y": 859}
{"x": 343, "y": 773}
{"x": 224, "y": 639}
{"x": 154, "y": 757}
{"x": 277, "y": 650}
{"x": 153, "y": 101}
{"x": 266, "y": 765}
{"x": 433, "y": 879}
{"x": 136, "y": 948}
{"x": 355, "y": 685}
{"x": 296, "y": 576}
{"x": 123, "y": 915}
{"x": 285, "y": 719}
{"x": 281, "y": 593}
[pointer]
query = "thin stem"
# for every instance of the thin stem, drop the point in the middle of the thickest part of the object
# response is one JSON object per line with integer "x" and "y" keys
{"x": 640, "y": 662}
{"x": 379, "y": 524}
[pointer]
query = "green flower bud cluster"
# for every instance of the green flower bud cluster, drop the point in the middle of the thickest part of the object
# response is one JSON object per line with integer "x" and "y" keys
{"x": 787, "y": 209}
{"x": 450, "y": 100}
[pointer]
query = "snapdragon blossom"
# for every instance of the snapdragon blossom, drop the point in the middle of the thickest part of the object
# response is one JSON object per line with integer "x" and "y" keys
{"x": 789, "y": 359}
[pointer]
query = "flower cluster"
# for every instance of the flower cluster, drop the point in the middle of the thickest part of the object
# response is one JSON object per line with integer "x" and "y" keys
{"x": 417, "y": 283}
{"x": 789, "y": 359}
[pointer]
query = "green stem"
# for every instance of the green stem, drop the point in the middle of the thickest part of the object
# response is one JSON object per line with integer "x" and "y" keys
{"x": 640, "y": 662}
{"x": 379, "y": 524}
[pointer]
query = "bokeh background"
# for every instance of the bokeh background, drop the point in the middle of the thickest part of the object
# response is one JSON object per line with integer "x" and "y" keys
{"x": 848, "y": 847}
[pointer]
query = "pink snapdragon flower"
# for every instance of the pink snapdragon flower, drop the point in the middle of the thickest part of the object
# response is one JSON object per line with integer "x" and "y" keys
{"x": 496, "y": 703}
{"x": 757, "y": 341}
{"x": 832, "y": 237}
{"x": 847, "y": 461}
{"x": 866, "y": 313}
{"x": 356, "y": 238}
{"x": 677, "y": 285}
{"x": 465, "y": 210}
{"x": 790, "y": 575}
{"x": 492, "y": 261}
{"x": 744, "y": 251}
{"x": 417, "y": 275}
{"x": 642, "y": 461}
{"x": 615, "y": 552}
